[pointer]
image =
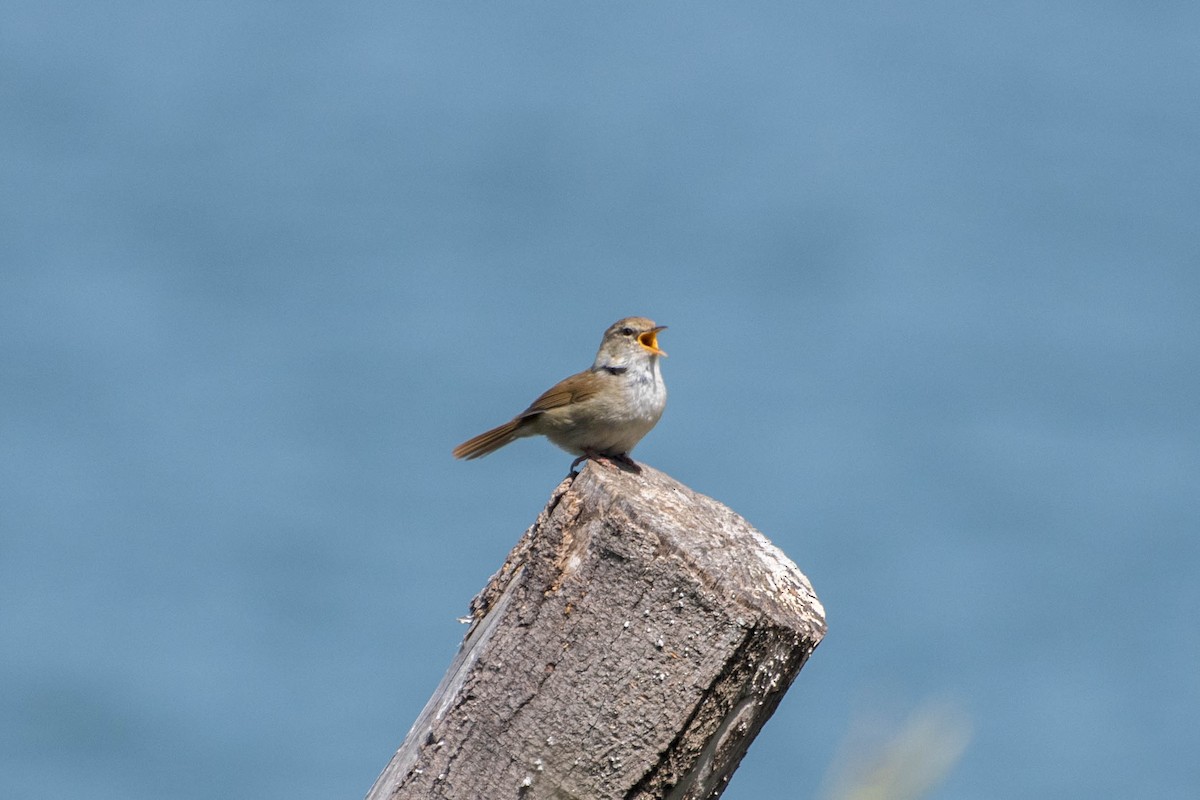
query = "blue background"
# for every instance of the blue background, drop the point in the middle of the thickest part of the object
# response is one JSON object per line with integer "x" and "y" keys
{"x": 932, "y": 278}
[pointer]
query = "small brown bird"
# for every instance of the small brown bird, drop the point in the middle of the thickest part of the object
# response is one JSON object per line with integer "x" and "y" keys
{"x": 600, "y": 413}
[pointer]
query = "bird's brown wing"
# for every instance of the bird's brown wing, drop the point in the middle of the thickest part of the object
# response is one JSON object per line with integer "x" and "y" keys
{"x": 574, "y": 389}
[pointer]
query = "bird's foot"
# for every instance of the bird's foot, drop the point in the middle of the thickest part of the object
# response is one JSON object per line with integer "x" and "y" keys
{"x": 588, "y": 455}
{"x": 624, "y": 462}
{"x": 619, "y": 461}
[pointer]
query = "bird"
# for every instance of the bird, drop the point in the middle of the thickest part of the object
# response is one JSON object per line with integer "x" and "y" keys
{"x": 600, "y": 413}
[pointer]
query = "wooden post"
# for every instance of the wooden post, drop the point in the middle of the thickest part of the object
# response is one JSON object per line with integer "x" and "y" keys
{"x": 632, "y": 646}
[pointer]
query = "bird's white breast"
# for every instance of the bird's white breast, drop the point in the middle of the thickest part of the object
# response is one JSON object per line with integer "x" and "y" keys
{"x": 611, "y": 422}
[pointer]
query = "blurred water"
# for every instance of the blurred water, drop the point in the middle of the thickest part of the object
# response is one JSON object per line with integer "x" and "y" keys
{"x": 931, "y": 276}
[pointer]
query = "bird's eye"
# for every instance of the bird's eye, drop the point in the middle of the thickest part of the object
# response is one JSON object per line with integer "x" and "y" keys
{"x": 627, "y": 331}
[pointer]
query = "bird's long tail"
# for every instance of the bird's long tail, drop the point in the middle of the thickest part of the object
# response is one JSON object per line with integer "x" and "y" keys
{"x": 489, "y": 441}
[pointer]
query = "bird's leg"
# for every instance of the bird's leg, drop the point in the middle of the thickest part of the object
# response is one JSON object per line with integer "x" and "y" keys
{"x": 591, "y": 455}
{"x": 627, "y": 462}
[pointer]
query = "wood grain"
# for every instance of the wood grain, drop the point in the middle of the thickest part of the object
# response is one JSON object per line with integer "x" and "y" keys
{"x": 633, "y": 644}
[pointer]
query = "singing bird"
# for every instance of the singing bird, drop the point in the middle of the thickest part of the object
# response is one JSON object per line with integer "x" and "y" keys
{"x": 600, "y": 413}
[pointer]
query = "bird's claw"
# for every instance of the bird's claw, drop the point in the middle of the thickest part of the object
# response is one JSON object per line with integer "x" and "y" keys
{"x": 619, "y": 461}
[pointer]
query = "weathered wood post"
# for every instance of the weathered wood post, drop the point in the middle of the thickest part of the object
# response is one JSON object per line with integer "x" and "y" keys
{"x": 632, "y": 646}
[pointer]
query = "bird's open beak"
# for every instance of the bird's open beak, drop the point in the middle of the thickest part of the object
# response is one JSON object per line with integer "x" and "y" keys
{"x": 649, "y": 340}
